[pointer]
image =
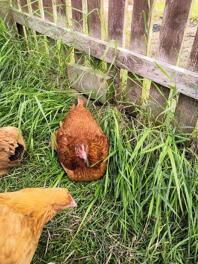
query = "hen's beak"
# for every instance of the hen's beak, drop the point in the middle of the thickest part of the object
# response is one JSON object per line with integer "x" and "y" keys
{"x": 61, "y": 207}
{"x": 71, "y": 204}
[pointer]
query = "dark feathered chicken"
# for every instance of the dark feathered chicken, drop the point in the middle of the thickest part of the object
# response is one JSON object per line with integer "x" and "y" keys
{"x": 81, "y": 145}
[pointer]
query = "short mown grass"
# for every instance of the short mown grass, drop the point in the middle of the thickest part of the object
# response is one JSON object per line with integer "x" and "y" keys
{"x": 145, "y": 208}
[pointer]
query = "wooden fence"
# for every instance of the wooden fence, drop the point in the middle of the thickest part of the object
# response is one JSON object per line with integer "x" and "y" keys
{"x": 82, "y": 23}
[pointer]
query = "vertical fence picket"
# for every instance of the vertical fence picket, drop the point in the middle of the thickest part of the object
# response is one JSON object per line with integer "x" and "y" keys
{"x": 116, "y": 20}
{"x": 138, "y": 42}
{"x": 95, "y": 30}
{"x": 41, "y": 9}
{"x": 24, "y": 5}
{"x": 30, "y": 11}
{"x": 41, "y": 14}
{"x": 140, "y": 25}
{"x": 193, "y": 60}
{"x": 35, "y": 7}
{"x": 186, "y": 113}
{"x": 5, "y": 12}
{"x": 104, "y": 19}
{"x": 61, "y": 12}
{"x": 61, "y": 7}
{"x": 48, "y": 9}
{"x": 77, "y": 15}
{"x": 115, "y": 32}
{"x": 171, "y": 35}
{"x": 77, "y": 24}
{"x": 94, "y": 23}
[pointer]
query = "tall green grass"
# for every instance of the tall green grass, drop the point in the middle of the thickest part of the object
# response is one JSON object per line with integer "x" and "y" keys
{"x": 144, "y": 210}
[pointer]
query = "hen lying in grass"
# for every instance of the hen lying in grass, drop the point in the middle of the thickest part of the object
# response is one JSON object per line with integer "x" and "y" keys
{"x": 81, "y": 145}
{"x": 22, "y": 217}
{"x": 12, "y": 148}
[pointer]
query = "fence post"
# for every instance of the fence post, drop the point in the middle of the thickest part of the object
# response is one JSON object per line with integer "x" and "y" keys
{"x": 171, "y": 35}
{"x": 186, "y": 114}
{"x": 140, "y": 26}
{"x": 5, "y": 12}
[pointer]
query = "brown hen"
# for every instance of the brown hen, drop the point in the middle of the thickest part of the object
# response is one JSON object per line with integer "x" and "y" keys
{"x": 22, "y": 217}
{"x": 12, "y": 148}
{"x": 81, "y": 145}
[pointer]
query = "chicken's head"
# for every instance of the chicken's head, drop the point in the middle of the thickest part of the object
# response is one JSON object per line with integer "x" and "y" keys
{"x": 39, "y": 204}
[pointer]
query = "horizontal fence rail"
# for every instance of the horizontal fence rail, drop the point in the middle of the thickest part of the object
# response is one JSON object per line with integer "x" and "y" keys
{"x": 186, "y": 82}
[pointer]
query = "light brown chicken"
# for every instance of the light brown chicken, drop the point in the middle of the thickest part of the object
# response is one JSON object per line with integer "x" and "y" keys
{"x": 81, "y": 145}
{"x": 12, "y": 148}
{"x": 22, "y": 217}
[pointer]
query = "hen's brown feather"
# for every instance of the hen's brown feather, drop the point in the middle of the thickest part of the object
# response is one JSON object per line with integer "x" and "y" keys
{"x": 12, "y": 148}
{"x": 80, "y": 127}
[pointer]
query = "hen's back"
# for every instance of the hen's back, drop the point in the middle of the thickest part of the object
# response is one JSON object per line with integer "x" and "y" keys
{"x": 17, "y": 242}
{"x": 79, "y": 122}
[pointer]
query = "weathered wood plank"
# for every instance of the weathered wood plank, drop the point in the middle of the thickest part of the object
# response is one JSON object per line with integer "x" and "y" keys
{"x": 94, "y": 19}
{"x": 172, "y": 31}
{"x": 24, "y": 5}
{"x": 171, "y": 35}
{"x": 186, "y": 113}
{"x": 115, "y": 32}
{"x": 94, "y": 22}
{"x": 48, "y": 9}
{"x": 185, "y": 81}
{"x": 138, "y": 42}
{"x": 61, "y": 7}
{"x": 158, "y": 100}
{"x": 77, "y": 15}
{"x": 61, "y": 12}
{"x": 193, "y": 60}
{"x": 77, "y": 24}
{"x": 86, "y": 80}
{"x": 133, "y": 91}
{"x": 5, "y": 13}
{"x": 139, "y": 31}
{"x": 116, "y": 20}
{"x": 35, "y": 7}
